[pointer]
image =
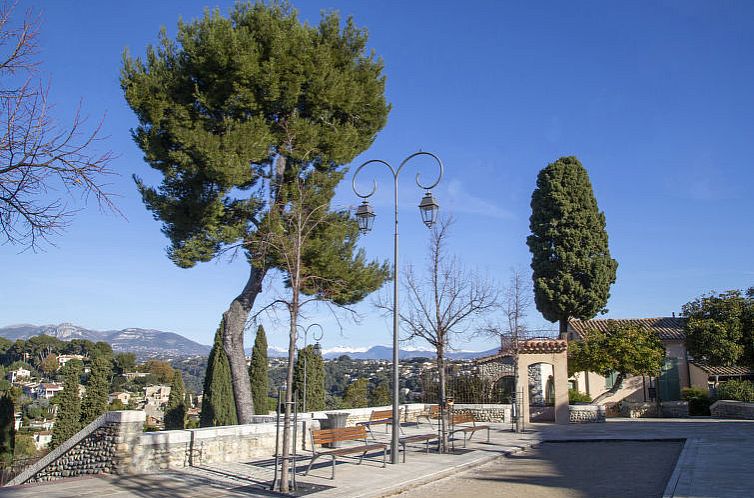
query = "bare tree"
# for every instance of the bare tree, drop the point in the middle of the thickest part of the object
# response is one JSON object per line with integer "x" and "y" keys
{"x": 314, "y": 248}
{"x": 40, "y": 162}
{"x": 443, "y": 303}
{"x": 517, "y": 300}
{"x": 516, "y": 303}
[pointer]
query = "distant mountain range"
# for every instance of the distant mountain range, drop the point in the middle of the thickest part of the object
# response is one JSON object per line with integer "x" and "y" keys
{"x": 386, "y": 353}
{"x": 144, "y": 343}
{"x": 150, "y": 343}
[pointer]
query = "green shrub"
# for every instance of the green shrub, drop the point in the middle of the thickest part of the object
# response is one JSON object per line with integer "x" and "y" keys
{"x": 575, "y": 396}
{"x": 698, "y": 398}
{"x": 736, "y": 390}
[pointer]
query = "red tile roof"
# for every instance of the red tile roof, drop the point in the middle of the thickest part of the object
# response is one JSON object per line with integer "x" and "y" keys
{"x": 666, "y": 328}
{"x": 732, "y": 371}
{"x": 531, "y": 346}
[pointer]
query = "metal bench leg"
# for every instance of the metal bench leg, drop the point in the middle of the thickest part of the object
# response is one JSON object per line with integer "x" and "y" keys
{"x": 361, "y": 458}
{"x": 333, "y": 468}
{"x": 404, "y": 452}
{"x": 488, "y": 434}
{"x": 384, "y": 457}
{"x": 314, "y": 457}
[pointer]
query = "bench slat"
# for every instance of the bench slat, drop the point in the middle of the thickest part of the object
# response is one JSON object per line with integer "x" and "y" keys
{"x": 354, "y": 449}
{"x": 324, "y": 436}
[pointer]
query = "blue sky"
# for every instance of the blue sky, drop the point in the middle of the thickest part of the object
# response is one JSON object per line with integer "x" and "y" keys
{"x": 655, "y": 98}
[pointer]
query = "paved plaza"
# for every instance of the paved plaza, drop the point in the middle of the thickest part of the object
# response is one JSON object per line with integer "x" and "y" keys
{"x": 715, "y": 461}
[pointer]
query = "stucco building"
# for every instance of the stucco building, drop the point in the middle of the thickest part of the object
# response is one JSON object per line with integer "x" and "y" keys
{"x": 675, "y": 373}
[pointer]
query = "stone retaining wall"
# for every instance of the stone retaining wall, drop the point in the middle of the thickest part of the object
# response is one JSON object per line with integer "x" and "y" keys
{"x": 585, "y": 414}
{"x": 675, "y": 409}
{"x": 96, "y": 449}
{"x": 732, "y": 409}
{"x": 670, "y": 409}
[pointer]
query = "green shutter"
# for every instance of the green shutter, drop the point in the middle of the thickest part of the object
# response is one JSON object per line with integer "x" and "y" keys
{"x": 670, "y": 382}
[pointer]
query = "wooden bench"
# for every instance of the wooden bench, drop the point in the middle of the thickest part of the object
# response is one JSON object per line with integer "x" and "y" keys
{"x": 432, "y": 414}
{"x": 358, "y": 433}
{"x": 380, "y": 417}
{"x": 464, "y": 418}
{"x": 419, "y": 438}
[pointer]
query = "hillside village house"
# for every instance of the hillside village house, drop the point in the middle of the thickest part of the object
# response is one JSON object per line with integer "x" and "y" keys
{"x": 48, "y": 391}
{"x": 42, "y": 439}
{"x": 65, "y": 358}
{"x": 156, "y": 395}
{"x": 123, "y": 397}
{"x": 18, "y": 374}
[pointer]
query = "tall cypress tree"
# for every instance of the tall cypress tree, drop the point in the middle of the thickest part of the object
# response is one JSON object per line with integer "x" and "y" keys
{"x": 175, "y": 412}
{"x": 315, "y": 377}
{"x": 218, "y": 404}
{"x": 94, "y": 403}
{"x": 571, "y": 263}
{"x": 68, "y": 420}
{"x": 260, "y": 383}
{"x": 7, "y": 429}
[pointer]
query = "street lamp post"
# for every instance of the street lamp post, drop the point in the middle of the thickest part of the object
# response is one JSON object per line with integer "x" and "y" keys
{"x": 365, "y": 217}
{"x": 316, "y": 339}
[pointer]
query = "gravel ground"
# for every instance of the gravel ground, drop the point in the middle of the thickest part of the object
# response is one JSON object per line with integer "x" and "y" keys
{"x": 568, "y": 469}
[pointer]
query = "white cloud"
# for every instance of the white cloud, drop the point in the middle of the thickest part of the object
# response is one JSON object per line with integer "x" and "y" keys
{"x": 461, "y": 201}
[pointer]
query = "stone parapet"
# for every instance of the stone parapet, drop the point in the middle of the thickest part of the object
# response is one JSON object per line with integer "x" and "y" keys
{"x": 732, "y": 409}
{"x": 585, "y": 414}
{"x": 116, "y": 444}
{"x": 158, "y": 451}
{"x": 95, "y": 449}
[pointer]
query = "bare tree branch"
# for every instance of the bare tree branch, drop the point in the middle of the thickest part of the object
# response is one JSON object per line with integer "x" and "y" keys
{"x": 41, "y": 163}
{"x": 443, "y": 303}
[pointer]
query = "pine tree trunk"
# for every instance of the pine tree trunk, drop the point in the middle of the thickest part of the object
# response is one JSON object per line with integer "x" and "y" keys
{"x": 234, "y": 325}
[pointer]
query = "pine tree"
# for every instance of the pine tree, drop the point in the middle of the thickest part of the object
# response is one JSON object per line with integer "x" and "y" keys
{"x": 175, "y": 412}
{"x": 7, "y": 429}
{"x": 380, "y": 396}
{"x": 94, "y": 403}
{"x": 356, "y": 394}
{"x": 234, "y": 110}
{"x": 571, "y": 263}
{"x": 315, "y": 378}
{"x": 68, "y": 420}
{"x": 218, "y": 406}
{"x": 260, "y": 383}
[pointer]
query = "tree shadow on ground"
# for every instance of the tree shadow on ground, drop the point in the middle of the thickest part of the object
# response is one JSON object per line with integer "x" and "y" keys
{"x": 604, "y": 468}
